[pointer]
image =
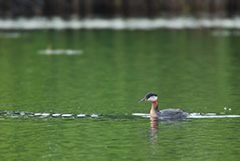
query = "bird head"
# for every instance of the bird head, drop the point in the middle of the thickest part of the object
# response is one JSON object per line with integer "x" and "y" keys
{"x": 151, "y": 97}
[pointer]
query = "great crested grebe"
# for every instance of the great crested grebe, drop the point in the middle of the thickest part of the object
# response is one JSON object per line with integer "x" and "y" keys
{"x": 167, "y": 113}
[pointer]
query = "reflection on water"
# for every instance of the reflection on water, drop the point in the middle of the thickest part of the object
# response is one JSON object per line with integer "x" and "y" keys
{"x": 67, "y": 107}
{"x": 60, "y": 51}
{"x": 10, "y": 35}
{"x": 155, "y": 130}
{"x": 119, "y": 24}
{"x": 154, "y": 133}
{"x": 133, "y": 137}
{"x": 117, "y": 68}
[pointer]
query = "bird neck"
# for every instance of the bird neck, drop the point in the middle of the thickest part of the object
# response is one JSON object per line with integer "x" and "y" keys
{"x": 154, "y": 110}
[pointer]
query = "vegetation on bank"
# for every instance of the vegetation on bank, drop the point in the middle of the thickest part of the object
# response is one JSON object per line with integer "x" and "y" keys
{"x": 118, "y": 8}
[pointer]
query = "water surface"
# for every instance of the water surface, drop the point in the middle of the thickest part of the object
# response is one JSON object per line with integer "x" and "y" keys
{"x": 194, "y": 70}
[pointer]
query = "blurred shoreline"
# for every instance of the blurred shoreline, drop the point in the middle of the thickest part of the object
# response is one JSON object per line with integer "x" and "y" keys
{"x": 119, "y": 23}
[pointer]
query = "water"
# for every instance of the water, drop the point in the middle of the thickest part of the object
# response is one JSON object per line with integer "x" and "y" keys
{"x": 80, "y": 104}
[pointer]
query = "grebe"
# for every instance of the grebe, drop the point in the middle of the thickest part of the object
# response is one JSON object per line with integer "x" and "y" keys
{"x": 167, "y": 113}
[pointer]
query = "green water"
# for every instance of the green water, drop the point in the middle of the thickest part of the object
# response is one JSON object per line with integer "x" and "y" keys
{"x": 189, "y": 69}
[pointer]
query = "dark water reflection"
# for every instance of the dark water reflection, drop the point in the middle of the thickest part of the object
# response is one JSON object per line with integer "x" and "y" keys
{"x": 155, "y": 127}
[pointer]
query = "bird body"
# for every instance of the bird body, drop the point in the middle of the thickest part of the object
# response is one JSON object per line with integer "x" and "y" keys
{"x": 173, "y": 113}
{"x": 166, "y": 113}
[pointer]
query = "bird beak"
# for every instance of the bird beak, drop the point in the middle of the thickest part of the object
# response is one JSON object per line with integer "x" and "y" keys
{"x": 142, "y": 100}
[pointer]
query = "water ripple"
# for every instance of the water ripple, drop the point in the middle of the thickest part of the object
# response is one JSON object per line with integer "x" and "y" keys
{"x": 194, "y": 115}
{"x": 23, "y": 114}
